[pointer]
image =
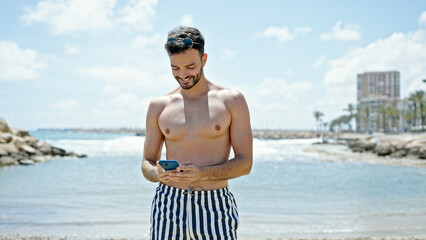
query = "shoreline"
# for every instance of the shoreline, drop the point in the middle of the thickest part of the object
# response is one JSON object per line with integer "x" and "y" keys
{"x": 418, "y": 237}
{"x": 393, "y": 149}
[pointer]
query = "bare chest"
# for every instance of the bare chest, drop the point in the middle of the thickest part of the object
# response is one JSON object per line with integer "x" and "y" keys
{"x": 207, "y": 118}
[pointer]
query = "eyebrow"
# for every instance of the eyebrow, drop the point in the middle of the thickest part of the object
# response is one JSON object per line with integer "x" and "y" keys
{"x": 191, "y": 64}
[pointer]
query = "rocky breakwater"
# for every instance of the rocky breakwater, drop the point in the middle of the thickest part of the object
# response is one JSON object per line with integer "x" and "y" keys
{"x": 18, "y": 147}
{"x": 397, "y": 146}
{"x": 283, "y": 134}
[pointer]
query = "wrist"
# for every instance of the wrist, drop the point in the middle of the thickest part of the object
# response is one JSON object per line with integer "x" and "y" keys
{"x": 204, "y": 174}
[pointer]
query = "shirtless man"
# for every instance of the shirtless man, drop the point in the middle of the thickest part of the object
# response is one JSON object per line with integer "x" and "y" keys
{"x": 199, "y": 122}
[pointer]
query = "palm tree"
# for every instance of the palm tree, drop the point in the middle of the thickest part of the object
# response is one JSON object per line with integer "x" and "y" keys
{"x": 366, "y": 111}
{"x": 418, "y": 101}
{"x": 350, "y": 109}
{"x": 408, "y": 115}
{"x": 318, "y": 115}
{"x": 420, "y": 98}
{"x": 383, "y": 110}
{"x": 325, "y": 126}
{"x": 413, "y": 99}
{"x": 393, "y": 114}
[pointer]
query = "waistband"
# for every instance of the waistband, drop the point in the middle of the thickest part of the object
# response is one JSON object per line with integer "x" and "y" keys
{"x": 193, "y": 190}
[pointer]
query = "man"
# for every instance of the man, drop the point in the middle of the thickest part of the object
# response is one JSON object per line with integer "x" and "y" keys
{"x": 199, "y": 122}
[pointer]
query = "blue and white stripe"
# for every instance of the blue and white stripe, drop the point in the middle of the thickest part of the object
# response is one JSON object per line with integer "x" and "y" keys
{"x": 187, "y": 214}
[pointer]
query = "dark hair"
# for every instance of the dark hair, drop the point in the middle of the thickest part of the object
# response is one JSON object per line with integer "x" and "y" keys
{"x": 181, "y": 33}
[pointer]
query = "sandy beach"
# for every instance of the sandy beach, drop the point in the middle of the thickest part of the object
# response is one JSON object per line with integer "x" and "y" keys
{"x": 342, "y": 153}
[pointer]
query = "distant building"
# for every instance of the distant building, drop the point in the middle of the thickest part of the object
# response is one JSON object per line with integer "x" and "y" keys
{"x": 378, "y": 98}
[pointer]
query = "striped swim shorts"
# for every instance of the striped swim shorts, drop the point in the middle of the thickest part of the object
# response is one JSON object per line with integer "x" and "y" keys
{"x": 188, "y": 214}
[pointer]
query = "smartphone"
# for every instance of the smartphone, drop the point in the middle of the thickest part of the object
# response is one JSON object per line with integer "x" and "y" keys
{"x": 168, "y": 164}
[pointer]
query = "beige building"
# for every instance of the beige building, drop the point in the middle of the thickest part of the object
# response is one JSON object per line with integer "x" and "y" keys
{"x": 378, "y": 97}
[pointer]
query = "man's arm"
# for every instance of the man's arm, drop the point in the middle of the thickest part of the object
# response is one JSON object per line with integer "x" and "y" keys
{"x": 153, "y": 143}
{"x": 242, "y": 144}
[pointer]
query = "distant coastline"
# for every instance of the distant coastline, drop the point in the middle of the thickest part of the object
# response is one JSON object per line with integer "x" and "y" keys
{"x": 404, "y": 145}
{"x": 257, "y": 133}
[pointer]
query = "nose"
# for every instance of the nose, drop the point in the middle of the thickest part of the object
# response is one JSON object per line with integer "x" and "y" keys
{"x": 183, "y": 74}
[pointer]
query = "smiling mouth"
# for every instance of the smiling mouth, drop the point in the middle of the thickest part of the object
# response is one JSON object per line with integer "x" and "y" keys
{"x": 185, "y": 80}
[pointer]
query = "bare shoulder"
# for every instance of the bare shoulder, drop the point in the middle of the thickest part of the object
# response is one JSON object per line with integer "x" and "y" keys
{"x": 157, "y": 105}
{"x": 229, "y": 96}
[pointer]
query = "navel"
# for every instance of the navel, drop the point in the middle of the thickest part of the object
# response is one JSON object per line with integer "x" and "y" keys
{"x": 217, "y": 127}
{"x": 167, "y": 131}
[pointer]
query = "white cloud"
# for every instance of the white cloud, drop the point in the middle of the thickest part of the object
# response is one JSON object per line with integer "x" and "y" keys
{"x": 17, "y": 63}
{"x": 348, "y": 33}
{"x": 144, "y": 41}
{"x": 72, "y": 15}
{"x": 68, "y": 16}
{"x": 229, "y": 53}
{"x": 138, "y": 14}
{"x": 405, "y": 53}
{"x": 120, "y": 79}
{"x": 72, "y": 50}
{"x": 283, "y": 34}
{"x": 111, "y": 89}
{"x": 320, "y": 61}
{"x": 66, "y": 105}
{"x": 422, "y": 18}
{"x": 276, "y": 103}
{"x": 125, "y": 109}
{"x": 274, "y": 88}
{"x": 186, "y": 20}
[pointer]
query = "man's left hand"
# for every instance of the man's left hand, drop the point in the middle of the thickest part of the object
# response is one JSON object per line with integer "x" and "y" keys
{"x": 187, "y": 172}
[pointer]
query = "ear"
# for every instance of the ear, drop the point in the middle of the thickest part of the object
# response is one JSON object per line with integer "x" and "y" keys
{"x": 204, "y": 59}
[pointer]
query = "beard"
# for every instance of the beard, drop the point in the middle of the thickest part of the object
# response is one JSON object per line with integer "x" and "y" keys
{"x": 190, "y": 84}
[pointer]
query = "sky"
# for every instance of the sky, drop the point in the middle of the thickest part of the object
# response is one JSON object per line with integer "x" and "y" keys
{"x": 98, "y": 63}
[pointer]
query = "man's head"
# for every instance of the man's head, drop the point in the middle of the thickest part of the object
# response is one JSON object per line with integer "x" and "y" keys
{"x": 185, "y": 46}
{"x": 183, "y": 38}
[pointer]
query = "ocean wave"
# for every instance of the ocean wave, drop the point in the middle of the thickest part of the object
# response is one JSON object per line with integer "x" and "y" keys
{"x": 122, "y": 146}
{"x": 133, "y": 146}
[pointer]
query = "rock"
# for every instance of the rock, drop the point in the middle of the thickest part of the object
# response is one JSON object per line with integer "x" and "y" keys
{"x": 19, "y": 147}
{"x": 44, "y": 158}
{"x": 9, "y": 148}
{"x": 58, "y": 152}
{"x": 26, "y": 162}
{"x": 23, "y": 146}
{"x": 30, "y": 140}
{"x": 383, "y": 149}
{"x": 414, "y": 151}
{"x": 6, "y": 137}
{"x": 73, "y": 154}
{"x": 28, "y": 149}
{"x": 44, "y": 148}
{"x": 3, "y": 126}
{"x": 362, "y": 145}
{"x": 20, "y": 132}
{"x": 400, "y": 153}
{"x": 422, "y": 152}
{"x": 20, "y": 155}
{"x": 7, "y": 161}
{"x": 3, "y": 152}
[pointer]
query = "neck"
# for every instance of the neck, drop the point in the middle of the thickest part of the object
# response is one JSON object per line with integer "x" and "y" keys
{"x": 198, "y": 90}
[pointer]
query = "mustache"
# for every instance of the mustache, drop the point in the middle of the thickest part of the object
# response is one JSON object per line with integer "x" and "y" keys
{"x": 187, "y": 77}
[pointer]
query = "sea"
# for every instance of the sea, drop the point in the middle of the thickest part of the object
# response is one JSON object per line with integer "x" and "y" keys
{"x": 290, "y": 193}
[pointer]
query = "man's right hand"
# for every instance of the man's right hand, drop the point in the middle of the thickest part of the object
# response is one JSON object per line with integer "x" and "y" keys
{"x": 162, "y": 175}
